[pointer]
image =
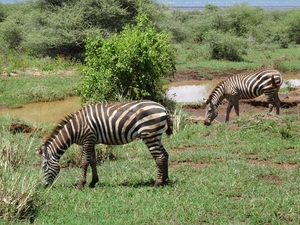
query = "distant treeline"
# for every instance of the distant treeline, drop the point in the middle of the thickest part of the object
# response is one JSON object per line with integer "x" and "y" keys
{"x": 56, "y": 27}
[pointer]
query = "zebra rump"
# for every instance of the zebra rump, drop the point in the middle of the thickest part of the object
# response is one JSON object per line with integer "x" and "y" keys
{"x": 110, "y": 124}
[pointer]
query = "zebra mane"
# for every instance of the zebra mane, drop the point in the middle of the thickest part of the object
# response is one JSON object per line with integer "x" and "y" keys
{"x": 58, "y": 127}
{"x": 213, "y": 92}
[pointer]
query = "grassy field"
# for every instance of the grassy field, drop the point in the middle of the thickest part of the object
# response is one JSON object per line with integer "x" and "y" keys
{"x": 245, "y": 171}
{"x": 242, "y": 172}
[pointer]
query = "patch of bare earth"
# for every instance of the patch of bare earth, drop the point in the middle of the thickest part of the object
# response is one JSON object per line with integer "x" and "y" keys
{"x": 18, "y": 127}
{"x": 284, "y": 166}
{"x": 173, "y": 164}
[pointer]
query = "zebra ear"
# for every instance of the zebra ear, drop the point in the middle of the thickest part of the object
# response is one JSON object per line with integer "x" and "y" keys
{"x": 38, "y": 151}
{"x": 207, "y": 101}
{"x": 41, "y": 150}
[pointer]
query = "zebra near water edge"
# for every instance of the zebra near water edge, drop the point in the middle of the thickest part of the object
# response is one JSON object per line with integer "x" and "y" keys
{"x": 110, "y": 124}
{"x": 247, "y": 86}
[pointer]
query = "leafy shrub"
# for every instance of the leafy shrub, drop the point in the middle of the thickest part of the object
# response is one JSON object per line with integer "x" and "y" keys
{"x": 291, "y": 26}
{"x": 130, "y": 64}
{"x": 243, "y": 17}
{"x": 178, "y": 31}
{"x": 11, "y": 34}
{"x": 224, "y": 46}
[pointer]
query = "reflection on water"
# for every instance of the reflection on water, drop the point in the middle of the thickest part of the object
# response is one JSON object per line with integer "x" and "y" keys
{"x": 45, "y": 112}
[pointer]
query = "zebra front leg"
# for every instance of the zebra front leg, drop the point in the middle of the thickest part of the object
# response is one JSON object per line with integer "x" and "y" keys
{"x": 229, "y": 107}
{"x": 93, "y": 163}
{"x": 277, "y": 103}
{"x": 82, "y": 181}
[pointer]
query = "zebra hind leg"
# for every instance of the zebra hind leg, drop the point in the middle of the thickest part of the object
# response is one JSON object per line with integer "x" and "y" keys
{"x": 162, "y": 169}
{"x": 274, "y": 101}
{"x": 82, "y": 181}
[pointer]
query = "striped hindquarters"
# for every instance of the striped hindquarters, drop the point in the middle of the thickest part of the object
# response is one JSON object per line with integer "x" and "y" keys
{"x": 253, "y": 85}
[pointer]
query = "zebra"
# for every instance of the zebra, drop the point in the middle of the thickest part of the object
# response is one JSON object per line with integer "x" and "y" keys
{"x": 110, "y": 124}
{"x": 247, "y": 86}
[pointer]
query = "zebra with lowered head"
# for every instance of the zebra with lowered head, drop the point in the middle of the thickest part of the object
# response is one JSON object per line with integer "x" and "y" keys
{"x": 248, "y": 86}
{"x": 111, "y": 124}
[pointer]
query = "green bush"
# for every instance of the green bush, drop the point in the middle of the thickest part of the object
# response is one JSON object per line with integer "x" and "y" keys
{"x": 224, "y": 46}
{"x": 291, "y": 26}
{"x": 130, "y": 64}
{"x": 11, "y": 34}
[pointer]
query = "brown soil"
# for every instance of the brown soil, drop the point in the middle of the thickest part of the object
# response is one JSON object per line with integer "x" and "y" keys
{"x": 19, "y": 127}
{"x": 290, "y": 103}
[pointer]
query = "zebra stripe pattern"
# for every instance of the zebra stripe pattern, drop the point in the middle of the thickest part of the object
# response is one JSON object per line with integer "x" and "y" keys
{"x": 248, "y": 86}
{"x": 110, "y": 124}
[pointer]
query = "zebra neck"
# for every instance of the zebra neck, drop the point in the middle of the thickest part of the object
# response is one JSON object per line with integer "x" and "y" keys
{"x": 60, "y": 143}
{"x": 218, "y": 94}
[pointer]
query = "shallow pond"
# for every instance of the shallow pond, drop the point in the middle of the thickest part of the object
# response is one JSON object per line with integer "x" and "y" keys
{"x": 45, "y": 112}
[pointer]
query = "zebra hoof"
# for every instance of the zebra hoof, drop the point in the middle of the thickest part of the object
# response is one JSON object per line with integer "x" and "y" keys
{"x": 160, "y": 183}
{"x": 79, "y": 186}
{"x": 92, "y": 185}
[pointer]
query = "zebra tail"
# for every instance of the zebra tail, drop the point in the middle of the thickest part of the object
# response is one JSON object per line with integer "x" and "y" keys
{"x": 273, "y": 82}
{"x": 169, "y": 130}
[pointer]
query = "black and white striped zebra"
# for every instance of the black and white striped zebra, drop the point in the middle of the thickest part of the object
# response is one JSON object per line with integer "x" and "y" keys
{"x": 111, "y": 124}
{"x": 248, "y": 86}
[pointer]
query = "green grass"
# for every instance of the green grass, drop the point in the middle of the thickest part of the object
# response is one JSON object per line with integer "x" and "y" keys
{"x": 18, "y": 90}
{"x": 286, "y": 60}
{"x": 243, "y": 171}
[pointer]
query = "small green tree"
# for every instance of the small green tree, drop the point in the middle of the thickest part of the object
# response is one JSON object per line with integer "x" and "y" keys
{"x": 224, "y": 46}
{"x": 130, "y": 64}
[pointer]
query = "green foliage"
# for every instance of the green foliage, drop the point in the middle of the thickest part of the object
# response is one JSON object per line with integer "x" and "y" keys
{"x": 11, "y": 34}
{"x": 224, "y": 46}
{"x": 3, "y": 12}
{"x": 130, "y": 64}
{"x": 59, "y": 27}
{"x": 291, "y": 26}
{"x": 243, "y": 17}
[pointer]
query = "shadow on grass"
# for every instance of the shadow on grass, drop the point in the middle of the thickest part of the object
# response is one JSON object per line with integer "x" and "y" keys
{"x": 138, "y": 184}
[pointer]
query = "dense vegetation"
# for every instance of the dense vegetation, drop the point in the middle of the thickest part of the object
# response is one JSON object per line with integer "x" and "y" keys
{"x": 133, "y": 60}
{"x": 60, "y": 27}
{"x": 248, "y": 175}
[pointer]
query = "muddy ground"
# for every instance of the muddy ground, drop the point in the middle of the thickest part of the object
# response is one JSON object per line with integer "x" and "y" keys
{"x": 290, "y": 102}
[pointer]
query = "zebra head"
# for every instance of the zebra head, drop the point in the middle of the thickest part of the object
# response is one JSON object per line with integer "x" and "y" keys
{"x": 211, "y": 112}
{"x": 49, "y": 165}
